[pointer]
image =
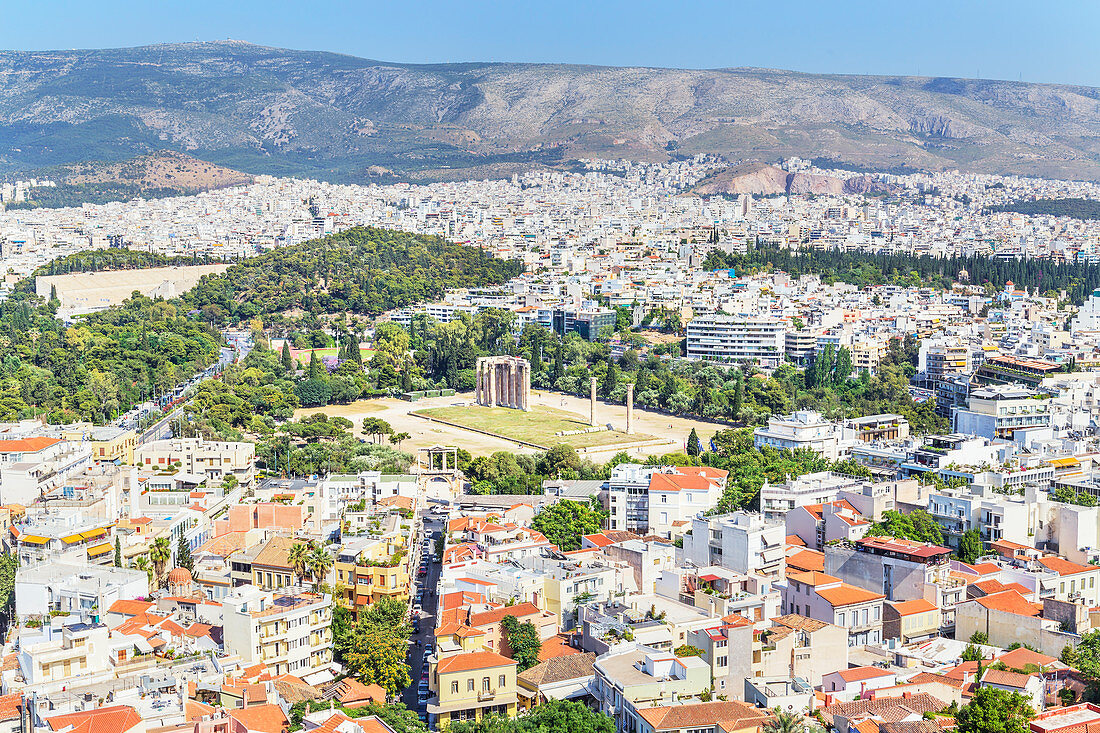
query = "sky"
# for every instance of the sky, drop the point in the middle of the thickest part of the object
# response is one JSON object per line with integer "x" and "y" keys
{"x": 1050, "y": 41}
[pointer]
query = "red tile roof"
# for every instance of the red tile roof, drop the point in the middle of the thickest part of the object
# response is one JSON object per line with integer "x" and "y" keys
{"x": 116, "y": 719}
{"x": 471, "y": 661}
{"x": 847, "y": 595}
{"x": 27, "y": 445}
{"x": 858, "y": 674}
{"x": 1010, "y": 601}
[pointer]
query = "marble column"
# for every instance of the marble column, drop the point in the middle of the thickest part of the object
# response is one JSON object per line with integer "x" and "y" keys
{"x": 630, "y": 409}
{"x": 592, "y": 401}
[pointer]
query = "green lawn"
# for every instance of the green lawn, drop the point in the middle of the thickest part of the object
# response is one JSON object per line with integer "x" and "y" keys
{"x": 303, "y": 357}
{"x": 537, "y": 426}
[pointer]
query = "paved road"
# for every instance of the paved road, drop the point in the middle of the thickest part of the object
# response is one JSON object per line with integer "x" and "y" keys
{"x": 428, "y": 582}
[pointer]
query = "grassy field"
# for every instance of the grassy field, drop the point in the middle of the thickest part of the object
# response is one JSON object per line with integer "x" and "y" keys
{"x": 538, "y": 426}
{"x": 303, "y": 356}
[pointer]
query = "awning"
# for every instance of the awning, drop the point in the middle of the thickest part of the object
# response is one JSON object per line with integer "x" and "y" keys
{"x": 99, "y": 549}
{"x": 93, "y": 533}
{"x": 33, "y": 539}
{"x": 708, "y": 578}
{"x": 71, "y": 539}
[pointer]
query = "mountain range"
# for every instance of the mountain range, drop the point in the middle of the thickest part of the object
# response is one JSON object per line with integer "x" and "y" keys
{"x": 337, "y": 117}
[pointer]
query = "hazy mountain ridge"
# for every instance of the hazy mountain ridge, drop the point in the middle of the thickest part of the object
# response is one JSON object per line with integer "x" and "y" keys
{"x": 274, "y": 110}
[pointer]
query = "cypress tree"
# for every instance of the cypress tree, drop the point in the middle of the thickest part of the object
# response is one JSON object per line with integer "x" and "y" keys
{"x": 288, "y": 361}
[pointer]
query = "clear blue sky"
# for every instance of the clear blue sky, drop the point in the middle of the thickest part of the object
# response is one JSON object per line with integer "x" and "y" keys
{"x": 1052, "y": 41}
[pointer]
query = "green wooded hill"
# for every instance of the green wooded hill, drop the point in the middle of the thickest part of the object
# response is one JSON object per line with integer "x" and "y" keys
{"x": 363, "y": 270}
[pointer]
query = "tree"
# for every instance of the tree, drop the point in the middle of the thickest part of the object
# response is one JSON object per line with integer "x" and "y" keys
{"x": 917, "y": 525}
{"x": 398, "y": 438}
{"x": 784, "y": 721}
{"x": 1085, "y": 657}
{"x": 183, "y": 555}
{"x": 159, "y": 554}
{"x": 693, "y": 446}
{"x": 9, "y": 563}
{"x": 842, "y": 370}
{"x": 319, "y": 562}
{"x": 970, "y": 546}
{"x": 118, "y": 552}
{"x": 141, "y": 562}
{"x": 971, "y": 654}
{"x": 374, "y": 648}
{"x": 560, "y": 716}
{"x": 687, "y": 650}
{"x": 523, "y": 640}
{"x": 375, "y": 428}
{"x": 992, "y": 710}
{"x": 316, "y": 368}
{"x": 286, "y": 358}
{"x": 979, "y": 637}
{"x": 565, "y": 522}
{"x": 298, "y": 557}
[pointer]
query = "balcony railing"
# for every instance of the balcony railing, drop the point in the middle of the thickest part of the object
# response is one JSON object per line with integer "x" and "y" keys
{"x": 486, "y": 695}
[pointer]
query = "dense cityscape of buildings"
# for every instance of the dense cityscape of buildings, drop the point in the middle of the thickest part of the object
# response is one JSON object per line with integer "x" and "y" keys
{"x": 674, "y": 616}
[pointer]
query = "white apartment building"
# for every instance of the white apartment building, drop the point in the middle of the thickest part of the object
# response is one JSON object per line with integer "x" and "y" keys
{"x": 743, "y": 542}
{"x": 34, "y": 466}
{"x": 628, "y": 497}
{"x": 998, "y": 411}
{"x": 215, "y": 460}
{"x": 291, "y": 634}
{"x": 337, "y": 491}
{"x": 737, "y": 338}
{"x": 812, "y": 488}
{"x": 805, "y": 429}
{"x": 678, "y": 495}
{"x": 77, "y": 590}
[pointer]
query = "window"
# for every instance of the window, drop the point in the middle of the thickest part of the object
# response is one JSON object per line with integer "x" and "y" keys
{"x": 664, "y": 498}
{"x": 470, "y": 685}
{"x": 484, "y": 684}
{"x": 502, "y": 682}
{"x": 454, "y": 687}
{"x": 722, "y": 661}
{"x": 840, "y": 619}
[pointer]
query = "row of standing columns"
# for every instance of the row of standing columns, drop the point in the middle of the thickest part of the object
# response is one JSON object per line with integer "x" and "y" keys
{"x": 504, "y": 381}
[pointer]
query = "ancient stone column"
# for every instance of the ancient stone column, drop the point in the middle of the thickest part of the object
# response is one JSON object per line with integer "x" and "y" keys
{"x": 526, "y": 386}
{"x": 478, "y": 382}
{"x": 630, "y": 409}
{"x": 491, "y": 383}
{"x": 592, "y": 401}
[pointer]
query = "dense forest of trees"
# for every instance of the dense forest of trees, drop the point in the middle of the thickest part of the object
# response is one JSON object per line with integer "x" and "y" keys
{"x": 115, "y": 258}
{"x": 102, "y": 364}
{"x": 865, "y": 268}
{"x": 360, "y": 271}
{"x": 1073, "y": 208}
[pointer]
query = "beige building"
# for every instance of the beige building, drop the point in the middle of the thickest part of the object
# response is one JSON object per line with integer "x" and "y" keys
{"x": 471, "y": 685}
{"x": 291, "y": 634}
{"x": 797, "y": 646}
{"x": 215, "y": 460}
{"x": 107, "y": 443}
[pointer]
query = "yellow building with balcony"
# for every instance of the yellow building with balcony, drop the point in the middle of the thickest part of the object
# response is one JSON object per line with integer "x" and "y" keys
{"x": 471, "y": 685}
{"x": 370, "y": 569}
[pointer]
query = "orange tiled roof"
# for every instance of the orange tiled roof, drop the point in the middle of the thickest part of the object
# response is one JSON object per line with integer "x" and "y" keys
{"x": 846, "y": 595}
{"x": 697, "y": 715}
{"x": 471, "y": 661}
{"x": 267, "y": 718}
{"x": 27, "y": 445}
{"x": 1063, "y": 566}
{"x": 1010, "y": 601}
{"x": 115, "y": 719}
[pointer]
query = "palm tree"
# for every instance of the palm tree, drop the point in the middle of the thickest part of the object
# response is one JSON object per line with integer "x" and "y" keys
{"x": 298, "y": 559}
{"x": 142, "y": 563}
{"x": 319, "y": 563}
{"x": 160, "y": 553}
{"x": 783, "y": 721}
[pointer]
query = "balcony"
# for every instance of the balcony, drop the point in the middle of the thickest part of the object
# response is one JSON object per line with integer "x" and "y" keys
{"x": 486, "y": 695}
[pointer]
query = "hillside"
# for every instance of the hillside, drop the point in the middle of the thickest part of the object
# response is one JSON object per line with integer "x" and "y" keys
{"x": 269, "y": 110}
{"x": 153, "y": 175}
{"x": 759, "y": 178}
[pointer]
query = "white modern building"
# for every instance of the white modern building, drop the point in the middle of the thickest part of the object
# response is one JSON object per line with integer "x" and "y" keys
{"x": 737, "y": 338}
{"x": 743, "y": 542}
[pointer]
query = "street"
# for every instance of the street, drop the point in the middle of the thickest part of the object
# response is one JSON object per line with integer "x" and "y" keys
{"x": 432, "y": 527}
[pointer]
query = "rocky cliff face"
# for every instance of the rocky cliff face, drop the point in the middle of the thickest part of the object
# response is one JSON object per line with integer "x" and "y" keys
{"x": 759, "y": 178}
{"x": 275, "y": 110}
